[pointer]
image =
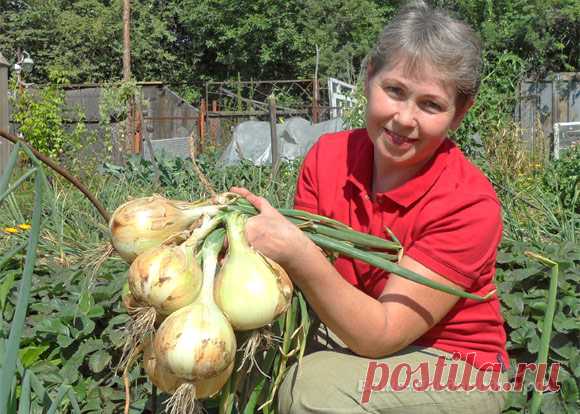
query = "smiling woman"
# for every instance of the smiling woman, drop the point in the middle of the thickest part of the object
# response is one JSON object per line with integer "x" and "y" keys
{"x": 404, "y": 173}
{"x": 408, "y": 119}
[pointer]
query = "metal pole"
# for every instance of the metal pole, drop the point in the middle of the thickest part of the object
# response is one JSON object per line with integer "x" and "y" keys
{"x": 128, "y": 144}
{"x": 202, "y": 121}
{"x": 273, "y": 135}
{"x": 5, "y": 146}
{"x": 315, "y": 91}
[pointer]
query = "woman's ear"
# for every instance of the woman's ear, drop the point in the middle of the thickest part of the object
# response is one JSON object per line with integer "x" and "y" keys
{"x": 369, "y": 72}
{"x": 460, "y": 112}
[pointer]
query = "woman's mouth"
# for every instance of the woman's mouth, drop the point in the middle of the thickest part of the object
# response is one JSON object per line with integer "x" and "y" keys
{"x": 399, "y": 141}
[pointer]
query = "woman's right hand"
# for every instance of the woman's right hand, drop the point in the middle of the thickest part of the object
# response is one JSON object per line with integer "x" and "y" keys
{"x": 270, "y": 232}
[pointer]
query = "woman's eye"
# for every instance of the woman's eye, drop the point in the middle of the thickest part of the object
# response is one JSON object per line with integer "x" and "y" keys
{"x": 394, "y": 91}
{"x": 433, "y": 106}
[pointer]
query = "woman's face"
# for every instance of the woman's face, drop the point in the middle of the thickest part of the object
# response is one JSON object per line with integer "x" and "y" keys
{"x": 409, "y": 117}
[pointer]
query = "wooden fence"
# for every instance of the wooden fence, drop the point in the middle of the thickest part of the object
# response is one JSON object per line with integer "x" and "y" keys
{"x": 545, "y": 102}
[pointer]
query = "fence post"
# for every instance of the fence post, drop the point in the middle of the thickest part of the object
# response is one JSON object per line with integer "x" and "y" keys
{"x": 315, "y": 98}
{"x": 138, "y": 131}
{"x": 273, "y": 135}
{"x": 202, "y": 116}
{"x": 213, "y": 123}
{"x": 5, "y": 146}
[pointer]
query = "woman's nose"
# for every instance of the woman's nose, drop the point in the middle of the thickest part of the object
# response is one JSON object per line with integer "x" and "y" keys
{"x": 405, "y": 116}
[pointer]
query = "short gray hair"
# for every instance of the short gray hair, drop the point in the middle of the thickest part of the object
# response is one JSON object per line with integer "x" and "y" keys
{"x": 420, "y": 35}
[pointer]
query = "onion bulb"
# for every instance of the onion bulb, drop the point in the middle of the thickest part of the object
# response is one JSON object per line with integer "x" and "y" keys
{"x": 250, "y": 289}
{"x": 197, "y": 342}
{"x": 166, "y": 278}
{"x": 128, "y": 299}
{"x": 147, "y": 222}
{"x": 157, "y": 373}
{"x": 166, "y": 382}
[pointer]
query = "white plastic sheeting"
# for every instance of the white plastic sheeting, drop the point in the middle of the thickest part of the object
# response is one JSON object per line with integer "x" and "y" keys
{"x": 251, "y": 140}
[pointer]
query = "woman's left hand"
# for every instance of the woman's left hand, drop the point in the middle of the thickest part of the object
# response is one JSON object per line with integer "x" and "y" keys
{"x": 270, "y": 232}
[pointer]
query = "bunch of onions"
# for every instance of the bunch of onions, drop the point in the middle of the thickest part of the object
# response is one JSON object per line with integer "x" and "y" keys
{"x": 162, "y": 280}
{"x": 143, "y": 223}
{"x": 197, "y": 343}
{"x": 251, "y": 289}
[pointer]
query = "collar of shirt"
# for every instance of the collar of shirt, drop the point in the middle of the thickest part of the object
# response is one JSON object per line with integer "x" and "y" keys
{"x": 406, "y": 194}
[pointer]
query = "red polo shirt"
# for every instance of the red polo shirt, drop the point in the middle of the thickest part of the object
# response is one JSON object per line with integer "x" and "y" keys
{"x": 447, "y": 218}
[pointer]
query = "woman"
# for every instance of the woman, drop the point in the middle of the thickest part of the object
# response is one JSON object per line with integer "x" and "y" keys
{"x": 401, "y": 172}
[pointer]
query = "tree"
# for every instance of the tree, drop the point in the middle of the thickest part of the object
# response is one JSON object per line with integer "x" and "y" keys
{"x": 186, "y": 42}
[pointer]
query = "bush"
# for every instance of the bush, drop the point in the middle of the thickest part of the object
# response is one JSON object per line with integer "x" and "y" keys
{"x": 41, "y": 119}
{"x": 563, "y": 177}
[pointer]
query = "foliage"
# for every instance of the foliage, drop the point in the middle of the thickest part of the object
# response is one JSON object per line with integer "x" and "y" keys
{"x": 185, "y": 42}
{"x": 176, "y": 178}
{"x": 74, "y": 36}
{"x": 562, "y": 178}
{"x": 538, "y": 217}
{"x": 539, "y": 197}
{"x": 494, "y": 104}
{"x": 14, "y": 396}
{"x": 523, "y": 285}
{"x": 542, "y": 34}
{"x": 41, "y": 118}
{"x": 355, "y": 116}
{"x": 113, "y": 109}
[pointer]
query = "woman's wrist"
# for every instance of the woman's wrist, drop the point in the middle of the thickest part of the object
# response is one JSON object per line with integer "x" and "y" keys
{"x": 300, "y": 256}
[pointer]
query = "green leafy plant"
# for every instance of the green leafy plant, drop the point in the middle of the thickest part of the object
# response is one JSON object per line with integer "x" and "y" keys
{"x": 494, "y": 103}
{"x": 562, "y": 178}
{"x": 524, "y": 286}
{"x": 14, "y": 394}
{"x": 113, "y": 109}
{"x": 355, "y": 115}
{"x": 40, "y": 116}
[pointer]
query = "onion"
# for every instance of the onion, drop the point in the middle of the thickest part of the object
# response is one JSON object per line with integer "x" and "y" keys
{"x": 209, "y": 387}
{"x": 169, "y": 383}
{"x": 166, "y": 278}
{"x": 147, "y": 222}
{"x": 128, "y": 299}
{"x": 169, "y": 277}
{"x": 197, "y": 342}
{"x": 157, "y": 373}
{"x": 251, "y": 289}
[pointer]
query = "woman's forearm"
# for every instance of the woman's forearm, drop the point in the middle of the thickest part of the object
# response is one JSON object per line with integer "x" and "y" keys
{"x": 358, "y": 319}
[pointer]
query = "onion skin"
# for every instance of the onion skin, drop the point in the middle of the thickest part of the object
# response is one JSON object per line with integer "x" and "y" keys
{"x": 127, "y": 298}
{"x": 250, "y": 289}
{"x": 211, "y": 386}
{"x": 168, "y": 383}
{"x": 143, "y": 223}
{"x": 157, "y": 373}
{"x": 196, "y": 342}
{"x": 167, "y": 278}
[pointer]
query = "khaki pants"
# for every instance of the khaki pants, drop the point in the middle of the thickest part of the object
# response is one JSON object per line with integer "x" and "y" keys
{"x": 331, "y": 380}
